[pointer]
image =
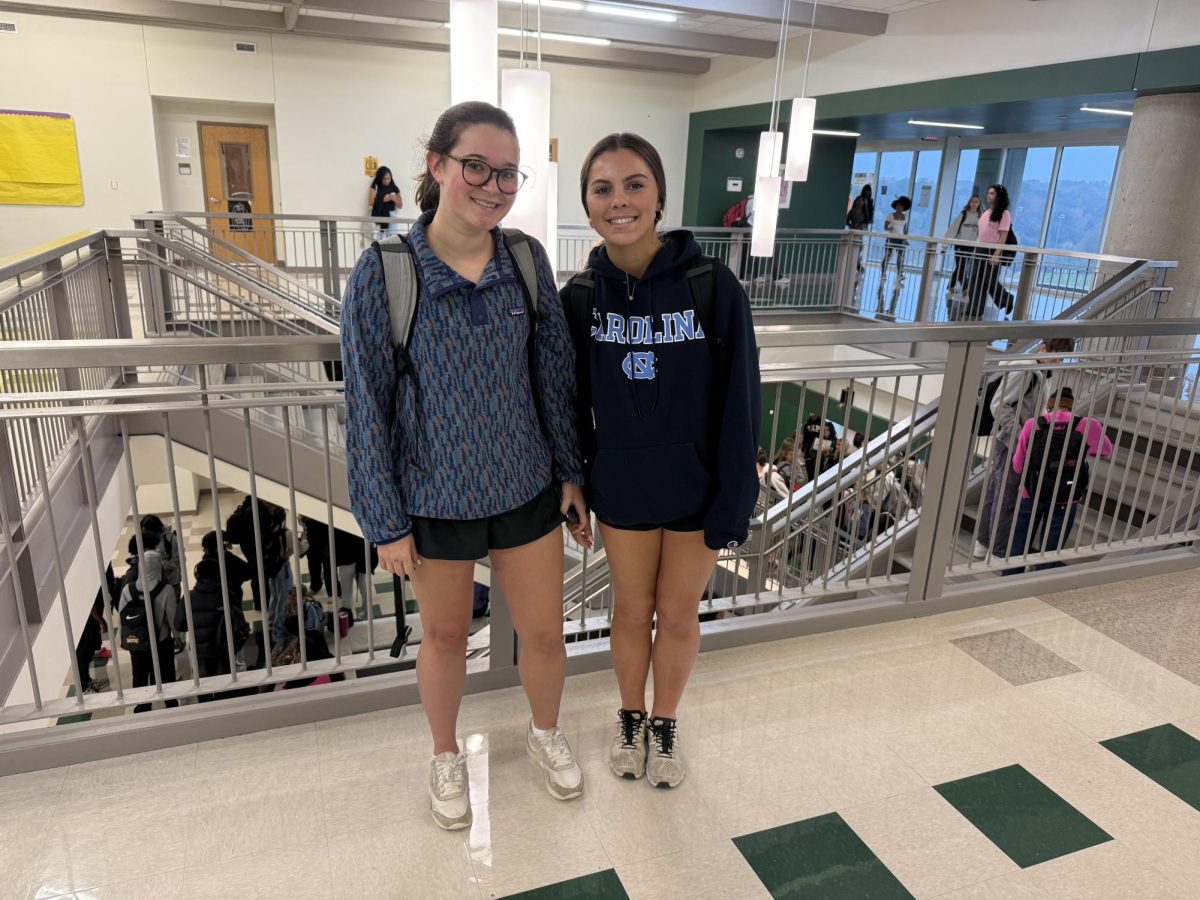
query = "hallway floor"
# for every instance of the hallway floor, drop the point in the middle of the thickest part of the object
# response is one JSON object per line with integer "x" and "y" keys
{"x": 1034, "y": 749}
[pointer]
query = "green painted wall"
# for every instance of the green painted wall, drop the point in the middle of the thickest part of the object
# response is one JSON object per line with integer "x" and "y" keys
{"x": 719, "y": 161}
{"x": 795, "y": 405}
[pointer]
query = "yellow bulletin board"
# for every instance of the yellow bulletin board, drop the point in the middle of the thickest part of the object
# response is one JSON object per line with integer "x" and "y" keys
{"x": 39, "y": 159}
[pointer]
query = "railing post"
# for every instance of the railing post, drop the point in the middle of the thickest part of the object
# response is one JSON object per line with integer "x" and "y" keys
{"x": 949, "y": 465}
{"x": 328, "y": 239}
{"x": 155, "y": 286}
{"x": 1024, "y": 302}
{"x": 335, "y": 260}
{"x": 59, "y": 308}
{"x": 924, "y": 311}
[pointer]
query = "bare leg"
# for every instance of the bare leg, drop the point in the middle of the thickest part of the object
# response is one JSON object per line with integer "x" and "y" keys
{"x": 684, "y": 569}
{"x": 531, "y": 577}
{"x": 633, "y": 559}
{"x": 443, "y": 588}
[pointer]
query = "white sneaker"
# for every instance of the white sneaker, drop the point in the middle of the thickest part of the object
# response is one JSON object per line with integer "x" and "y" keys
{"x": 664, "y": 766}
{"x": 449, "y": 791}
{"x": 564, "y": 778}
{"x": 980, "y": 550}
{"x": 627, "y": 755}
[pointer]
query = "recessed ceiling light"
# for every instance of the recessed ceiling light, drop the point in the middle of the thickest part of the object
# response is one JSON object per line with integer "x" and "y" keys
{"x": 631, "y": 12}
{"x": 944, "y": 124}
{"x": 1107, "y": 112}
{"x": 836, "y": 133}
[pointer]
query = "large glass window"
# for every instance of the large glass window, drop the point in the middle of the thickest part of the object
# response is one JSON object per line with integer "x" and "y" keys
{"x": 895, "y": 180}
{"x": 964, "y": 180}
{"x": 924, "y": 191}
{"x": 1085, "y": 178}
{"x": 1027, "y": 175}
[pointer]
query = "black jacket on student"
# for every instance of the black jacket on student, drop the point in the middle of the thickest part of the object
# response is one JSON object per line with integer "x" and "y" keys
{"x": 670, "y": 444}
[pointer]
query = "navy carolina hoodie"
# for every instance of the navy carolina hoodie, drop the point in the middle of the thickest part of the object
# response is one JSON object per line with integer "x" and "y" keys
{"x": 663, "y": 448}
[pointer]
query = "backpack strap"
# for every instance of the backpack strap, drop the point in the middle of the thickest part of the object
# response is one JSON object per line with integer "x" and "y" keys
{"x": 521, "y": 251}
{"x": 579, "y": 301}
{"x": 400, "y": 280}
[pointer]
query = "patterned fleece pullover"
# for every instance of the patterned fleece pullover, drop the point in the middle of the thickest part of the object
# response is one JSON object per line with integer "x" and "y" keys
{"x": 461, "y": 438}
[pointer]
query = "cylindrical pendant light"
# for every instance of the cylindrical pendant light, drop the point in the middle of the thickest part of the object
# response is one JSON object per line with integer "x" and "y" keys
{"x": 526, "y": 97}
{"x": 474, "y": 50}
{"x": 766, "y": 215}
{"x": 800, "y": 138}
{"x": 770, "y": 151}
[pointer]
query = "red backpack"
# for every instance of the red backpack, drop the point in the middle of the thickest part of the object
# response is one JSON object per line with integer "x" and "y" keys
{"x": 735, "y": 216}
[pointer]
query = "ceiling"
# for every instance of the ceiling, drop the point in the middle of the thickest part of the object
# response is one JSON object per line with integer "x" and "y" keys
{"x": 682, "y": 35}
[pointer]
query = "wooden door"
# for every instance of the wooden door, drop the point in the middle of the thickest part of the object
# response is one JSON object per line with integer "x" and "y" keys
{"x": 237, "y": 179}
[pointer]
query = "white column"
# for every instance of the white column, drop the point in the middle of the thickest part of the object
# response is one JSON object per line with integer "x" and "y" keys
{"x": 526, "y": 97}
{"x": 474, "y": 50}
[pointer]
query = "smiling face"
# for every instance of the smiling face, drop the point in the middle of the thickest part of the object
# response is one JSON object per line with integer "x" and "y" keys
{"x": 622, "y": 198}
{"x": 479, "y": 207}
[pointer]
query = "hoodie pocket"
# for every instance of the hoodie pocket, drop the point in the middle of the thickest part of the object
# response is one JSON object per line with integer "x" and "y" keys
{"x": 649, "y": 485}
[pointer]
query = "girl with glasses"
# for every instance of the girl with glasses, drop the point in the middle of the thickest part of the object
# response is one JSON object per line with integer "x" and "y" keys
{"x": 472, "y": 451}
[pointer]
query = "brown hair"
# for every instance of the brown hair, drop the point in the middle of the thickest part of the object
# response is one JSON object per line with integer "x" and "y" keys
{"x": 1059, "y": 345}
{"x": 446, "y": 132}
{"x": 626, "y": 141}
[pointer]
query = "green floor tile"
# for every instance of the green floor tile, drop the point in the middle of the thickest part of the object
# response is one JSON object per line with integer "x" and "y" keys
{"x": 71, "y": 720}
{"x": 386, "y": 587}
{"x": 819, "y": 858}
{"x": 1166, "y": 755}
{"x": 600, "y": 886}
{"x": 1020, "y": 815}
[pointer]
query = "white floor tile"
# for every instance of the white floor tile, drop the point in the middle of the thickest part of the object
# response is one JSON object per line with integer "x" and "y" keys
{"x": 713, "y": 871}
{"x": 297, "y": 870}
{"x": 410, "y": 859}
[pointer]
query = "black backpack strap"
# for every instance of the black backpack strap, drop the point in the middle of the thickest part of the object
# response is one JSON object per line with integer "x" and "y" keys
{"x": 579, "y": 301}
{"x": 702, "y": 283}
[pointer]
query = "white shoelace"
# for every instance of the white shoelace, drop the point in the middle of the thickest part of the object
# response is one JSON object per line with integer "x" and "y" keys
{"x": 449, "y": 776}
{"x": 557, "y": 750}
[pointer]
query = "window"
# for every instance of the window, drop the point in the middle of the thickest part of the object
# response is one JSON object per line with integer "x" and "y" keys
{"x": 1085, "y": 179}
{"x": 1027, "y": 175}
{"x": 895, "y": 180}
{"x": 924, "y": 191}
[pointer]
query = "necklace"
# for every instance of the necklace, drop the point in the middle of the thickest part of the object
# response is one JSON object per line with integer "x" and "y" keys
{"x": 629, "y": 288}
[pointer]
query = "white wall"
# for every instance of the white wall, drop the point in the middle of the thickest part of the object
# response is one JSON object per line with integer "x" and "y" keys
{"x": 327, "y": 104}
{"x": 958, "y": 37}
{"x": 96, "y": 71}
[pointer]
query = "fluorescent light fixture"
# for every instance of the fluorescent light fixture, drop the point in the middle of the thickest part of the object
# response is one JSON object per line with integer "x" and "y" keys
{"x": 828, "y": 133}
{"x": 770, "y": 151}
{"x": 800, "y": 138}
{"x": 944, "y": 124}
{"x": 1107, "y": 112}
{"x": 766, "y": 215}
{"x": 572, "y": 5}
{"x": 631, "y": 12}
{"x": 552, "y": 36}
{"x": 474, "y": 53}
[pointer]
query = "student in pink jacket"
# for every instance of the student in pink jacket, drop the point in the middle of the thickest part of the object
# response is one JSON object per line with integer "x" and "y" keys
{"x": 1051, "y": 458}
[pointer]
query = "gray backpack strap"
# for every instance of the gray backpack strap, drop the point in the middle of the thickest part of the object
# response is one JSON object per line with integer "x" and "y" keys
{"x": 400, "y": 279}
{"x": 522, "y": 254}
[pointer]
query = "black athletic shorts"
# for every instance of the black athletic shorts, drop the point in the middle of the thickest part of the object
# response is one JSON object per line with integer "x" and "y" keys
{"x": 463, "y": 539}
{"x": 687, "y": 523}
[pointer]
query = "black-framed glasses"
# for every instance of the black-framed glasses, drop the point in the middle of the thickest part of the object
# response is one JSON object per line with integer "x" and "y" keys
{"x": 477, "y": 173}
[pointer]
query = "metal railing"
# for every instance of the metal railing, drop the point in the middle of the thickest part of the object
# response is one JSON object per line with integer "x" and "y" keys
{"x": 833, "y": 557}
{"x": 815, "y": 270}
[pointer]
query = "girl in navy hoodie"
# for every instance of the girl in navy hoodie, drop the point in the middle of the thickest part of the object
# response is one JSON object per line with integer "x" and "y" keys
{"x": 667, "y": 370}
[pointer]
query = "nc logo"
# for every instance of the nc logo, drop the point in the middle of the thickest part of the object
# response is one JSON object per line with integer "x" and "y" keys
{"x": 639, "y": 366}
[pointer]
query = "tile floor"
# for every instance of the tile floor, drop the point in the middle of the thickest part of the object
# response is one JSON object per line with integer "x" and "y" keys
{"x": 1016, "y": 752}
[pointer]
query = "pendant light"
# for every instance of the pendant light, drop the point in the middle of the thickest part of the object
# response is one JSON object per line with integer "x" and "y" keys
{"x": 474, "y": 52}
{"x": 525, "y": 94}
{"x": 804, "y": 116}
{"x": 767, "y": 183}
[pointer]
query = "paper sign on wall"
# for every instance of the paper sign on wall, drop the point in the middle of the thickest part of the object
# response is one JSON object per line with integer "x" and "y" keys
{"x": 861, "y": 178}
{"x": 39, "y": 163}
{"x": 183, "y": 148}
{"x": 923, "y": 195}
{"x": 733, "y": 185}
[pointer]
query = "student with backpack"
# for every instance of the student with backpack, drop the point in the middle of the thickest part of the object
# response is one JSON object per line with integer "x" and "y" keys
{"x": 669, "y": 418}
{"x": 142, "y": 621}
{"x": 209, "y": 635}
{"x": 460, "y": 433}
{"x": 995, "y": 228}
{"x": 1051, "y": 460}
{"x": 1009, "y": 400}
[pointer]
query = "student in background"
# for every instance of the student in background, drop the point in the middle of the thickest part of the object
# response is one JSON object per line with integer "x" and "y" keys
{"x": 965, "y": 227}
{"x": 896, "y": 225}
{"x": 384, "y": 200}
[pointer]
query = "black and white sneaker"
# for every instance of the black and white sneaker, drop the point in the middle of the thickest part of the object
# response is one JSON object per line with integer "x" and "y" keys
{"x": 627, "y": 755}
{"x": 664, "y": 765}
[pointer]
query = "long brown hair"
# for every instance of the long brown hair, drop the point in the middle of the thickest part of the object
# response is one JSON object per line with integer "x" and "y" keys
{"x": 626, "y": 141}
{"x": 446, "y": 132}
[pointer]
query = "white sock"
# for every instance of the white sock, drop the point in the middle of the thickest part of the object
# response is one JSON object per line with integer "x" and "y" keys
{"x": 537, "y": 732}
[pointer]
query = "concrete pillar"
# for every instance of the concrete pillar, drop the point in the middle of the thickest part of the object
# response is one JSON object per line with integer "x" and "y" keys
{"x": 1153, "y": 214}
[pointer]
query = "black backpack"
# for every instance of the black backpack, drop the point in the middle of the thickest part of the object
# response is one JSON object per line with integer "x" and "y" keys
{"x": 136, "y": 619}
{"x": 1007, "y": 256}
{"x": 579, "y": 295}
{"x": 1056, "y": 462}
